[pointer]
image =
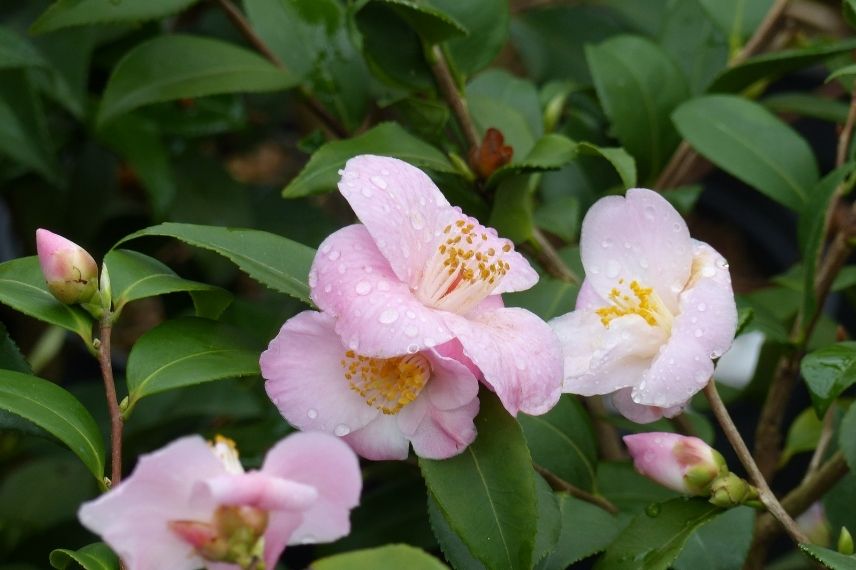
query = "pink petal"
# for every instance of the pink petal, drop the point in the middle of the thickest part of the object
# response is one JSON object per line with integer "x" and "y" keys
{"x": 588, "y": 299}
{"x": 327, "y": 464}
{"x": 452, "y": 382}
{"x": 640, "y": 237}
{"x": 305, "y": 378}
{"x": 653, "y": 457}
{"x": 400, "y": 206}
{"x": 376, "y": 313}
{"x": 381, "y": 439}
{"x": 519, "y": 354}
{"x": 254, "y": 489}
{"x": 703, "y": 330}
{"x": 639, "y": 413}
{"x": 436, "y": 433}
{"x": 132, "y": 518}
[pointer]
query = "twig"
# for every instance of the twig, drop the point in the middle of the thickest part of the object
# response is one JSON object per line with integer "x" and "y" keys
{"x": 240, "y": 22}
{"x": 766, "y": 495}
{"x": 116, "y": 423}
{"x": 822, "y": 443}
{"x": 450, "y": 92}
{"x": 549, "y": 258}
{"x": 559, "y": 484}
{"x": 608, "y": 440}
{"x": 847, "y": 132}
{"x": 763, "y": 34}
{"x": 682, "y": 423}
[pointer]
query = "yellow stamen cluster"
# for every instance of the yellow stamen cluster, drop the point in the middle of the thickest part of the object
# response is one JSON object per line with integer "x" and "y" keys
{"x": 463, "y": 251}
{"x": 643, "y": 302}
{"x": 387, "y": 384}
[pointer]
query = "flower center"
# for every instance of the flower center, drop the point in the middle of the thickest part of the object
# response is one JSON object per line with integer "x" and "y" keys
{"x": 387, "y": 384}
{"x": 634, "y": 299}
{"x": 465, "y": 268}
{"x": 227, "y": 452}
{"x": 235, "y": 535}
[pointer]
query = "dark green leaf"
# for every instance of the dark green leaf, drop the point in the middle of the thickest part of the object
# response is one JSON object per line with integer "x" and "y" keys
{"x": 392, "y": 556}
{"x": 586, "y": 530}
{"x": 432, "y": 25}
{"x": 749, "y": 142}
{"x": 623, "y": 163}
{"x": 639, "y": 87}
{"x": 23, "y": 288}
{"x": 830, "y": 558}
{"x": 684, "y": 198}
{"x": 56, "y": 411}
{"x": 488, "y": 112}
{"x": 486, "y": 22}
{"x": 562, "y": 440}
{"x": 69, "y": 53}
{"x": 847, "y": 437}
{"x": 695, "y": 42}
{"x": 737, "y": 19}
{"x": 549, "y": 520}
{"x": 97, "y": 556}
{"x": 828, "y": 372}
{"x": 722, "y": 544}
{"x": 67, "y": 13}
{"x": 17, "y": 52}
{"x": 512, "y": 209}
{"x": 627, "y": 489}
{"x": 550, "y": 152}
{"x": 806, "y": 105}
{"x": 772, "y": 65}
{"x": 848, "y": 7}
{"x": 136, "y": 276}
{"x": 560, "y": 216}
{"x": 548, "y": 298}
{"x": 187, "y": 351}
{"x": 487, "y": 493}
{"x": 178, "y": 66}
{"x": 655, "y": 538}
{"x": 279, "y": 263}
{"x": 388, "y": 139}
{"x": 10, "y": 355}
{"x": 520, "y": 94}
{"x": 455, "y": 551}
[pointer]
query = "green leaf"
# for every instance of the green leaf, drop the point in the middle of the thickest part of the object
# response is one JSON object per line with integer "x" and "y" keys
{"x": 136, "y": 276}
{"x": 512, "y": 208}
{"x": 803, "y": 435}
{"x": 56, "y": 411}
{"x": 23, "y": 288}
{"x": 807, "y": 105}
{"x": 67, "y": 13}
{"x": 489, "y": 112}
{"x": 737, "y": 19}
{"x": 621, "y": 161}
{"x": 639, "y": 87}
{"x": 16, "y": 52}
{"x": 846, "y": 71}
{"x": 830, "y": 558}
{"x": 486, "y": 22}
{"x": 549, "y": 519}
{"x": 548, "y": 298}
{"x": 455, "y": 551}
{"x": 749, "y": 142}
{"x": 694, "y": 41}
{"x": 847, "y": 437}
{"x": 722, "y": 544}
{"x": 655, "y": 538}
{"x": 828, "y": 372}
{"x": 177, "y": 66}
{"x": 550, "y": 152}
{"x": 432, "y": 25}
{"x": 272, "y": 260}
{"x": 10, "y": 355}
{"x": 776, "y": 64}
{"x": 520, "y": 94}
{"x": 586, "y": 530}
{"x": 848, "y": 8}
{"x": 187, "y": 351}
{"x": 97, "y": 556}
{"x": 627, "y": 489}
{"x": 559, "y": 216}
{"x": 562, "y": 440}
{"x": 487, "y": 493}
{"x": 684, "y": 198}
{"x": 391, "y": 556}
{"x": 388, "y": 139}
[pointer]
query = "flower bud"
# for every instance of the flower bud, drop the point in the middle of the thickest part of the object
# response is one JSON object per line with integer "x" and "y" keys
{"x": 684, "y": 464}
{"x": 730, "y": 490}
{"x": 70, "y": 272}
{"x": 845, "y": 542}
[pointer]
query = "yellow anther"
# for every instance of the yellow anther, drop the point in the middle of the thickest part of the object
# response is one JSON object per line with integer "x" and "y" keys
{"x": 644, "y": 303}
{"x": 389, "y": 384}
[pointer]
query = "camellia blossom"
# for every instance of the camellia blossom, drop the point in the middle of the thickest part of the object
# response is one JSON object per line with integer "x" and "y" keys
{"x": 378, "y": 405}
{"x": 655, "y": 308}
{"x": 191, "y": 505}
{"x": 70, "y": 272}
{"x": 684, "y": 464}
{"x": 418, "y": 273}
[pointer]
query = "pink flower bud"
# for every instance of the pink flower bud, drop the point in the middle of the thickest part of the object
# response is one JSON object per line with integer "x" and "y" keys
{"x": 684, "y": 464}
{"x": 70, "y": 272}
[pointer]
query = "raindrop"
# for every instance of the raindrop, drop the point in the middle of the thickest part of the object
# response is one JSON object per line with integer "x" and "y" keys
{"x": 313, "y": 279}
{"x": 701, "y": 307}
{"x": 606, "y": 243}
{"x": 389, "y": 316}
{"x": 342, "y": 430}
{"x": 700, "y": 376}
{"x": 416, "y": 220}
{"x": 328, "y": 288}
{"x": 627, "y": 245}
{"x": 411, "y": 315}
{"x": 325, "y": 248}
{"x": 412, "y": 348}
{"x": 379, "y": 182}
{"x": 366, "y": 191}
{"x": 340, "y": 172}
{"x": 363, "y": 288}
{"x": 649, "y": 212}
{"x": 715, "y": 354}
{"x": 383, "y": 286}
{"x": 676, "y": 227}
{"x": 613, "y": 268}
{"x": 520, "y": 364}
{"x": 708, "y": 271}
{"x": 354, "y": 344}
{"x": 334, "y": 255}
{"x": 594, "y": 270}
{"x": 311, "y": 413}
{"x": 698, "y": 333}
{"x": 308, "y": 539}
{"x": 341, "y": 269}
{"x": 721, "y": 263}
{"x": 643, "y": 263}
{"x": 411, "y": 331}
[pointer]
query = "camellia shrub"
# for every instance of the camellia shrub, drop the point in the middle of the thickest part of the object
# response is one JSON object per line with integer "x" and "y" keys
{"x": 425, "y": 284}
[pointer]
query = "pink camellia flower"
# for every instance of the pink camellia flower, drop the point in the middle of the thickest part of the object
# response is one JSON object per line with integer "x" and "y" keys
{"x": 655, "y": 309}
{"x": 418, "y": 273}
{"x": 379, "y": 405}
{"x": 191, "y": 505}
{"x": 69, "y": 270}
{"x": 684, "y": 464}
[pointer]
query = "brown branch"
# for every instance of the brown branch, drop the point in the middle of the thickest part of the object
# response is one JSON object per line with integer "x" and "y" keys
{"x": 683, "y": 425}
{"x": 823, "y": 442}
{"x": 549, "y": 258}
{"x": 116, "y": 422}
{"x": 763, "y": 34}
{"x": 766, "y": 495}
{"x": 559, "y": 484}
{"x": 846, "y": 134}
{"x": 452, "y": 95}
{"x": 608, "y": 440}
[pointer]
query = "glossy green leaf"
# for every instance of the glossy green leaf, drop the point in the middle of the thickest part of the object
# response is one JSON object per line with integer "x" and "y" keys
{"x": 749, "y": 142}
{"x": 152, "y": 72}
{"x": 776, "y": 64}
{"x": 432, "y": 25}
{"x": 487, "y": 493}
{"x": 455, "y": 551}
{"x": 391, "y": 556}
{"x": 695, "y": 42}
{"x": 847, "y": 437}
{"x": 388, "y": 139}
{"x": 846, "y": 71}
{"x": 803, "y": 435}
{"x": 69, "y": 55}
{"x": 639, "y": 87}
{"x": 136, "y": 276}
{"x": 10, "y": 355}
{"x": 23, "y": 288}
{"x": 807, "y": 105}
{"x": 737, "y": 19}
{"x": 512, "y": 209}
{"x": 562, "y": 440}
{"x": 490, "y": 112}
{"x": 549, "y": 520}
{"x": 621, "y": 161}
{"x": 486, "y": 22}
{"x": 848, "y": 7}
{"x": 97, "y": 556}
{"x": 17, "y": 52}
{"x": 548, "y": 298}
{"x": 518, "y": 93}
{"x": 187, "y": 351}
{"x": 627, "y": 489}
{"x": 586, "y": 530}
{"x": 67, "y": 13}
{"x": 550, "y": 152}
{"x": 721, "y": 544}
{"x": 57, "y": 412}
{"x": 830, "y": 558}
{"x": 561, "y": 217}
{"x": 828, "y": 372}
{"x": 272, "y": 260}
{"x": 654, "y": 539}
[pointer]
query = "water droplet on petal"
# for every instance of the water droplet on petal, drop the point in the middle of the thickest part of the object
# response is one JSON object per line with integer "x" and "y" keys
{"x": 342, "y": 430}
{"x": 417, "y": 220}
{"x": 606, "y": 243}
{"x": 388, "y": 316}
{"x": 520, "y": 364}
{"x": 341, "y": 172}
{"x": 341, "y": 269}
{"x": 698, "y": 333}
{"x": 721, "y": 263}
{"x": 379, "y": 182}
{"x": 613, "y": 268}
{"x": 383, "y": 286}
{"x": 429, "y": 342}
{"x": 363, "y": 288}
{"x": 311, "y": 413}
{"x": 649, "y": 212}
{"x": 354, "y": 344}
{"x": 676, "y": 227}
{"x": 334, "y": 255}
{"x": 701, "y": 307}
{"x": 627, "y": 245}
{"x": 313, "y": 279}
{"x": 412, "y": 348}
{"x": 411, "y": 315}
{"x": 328, "y": 288}
{"x": 708, "y": 271}
{"x": 643, "y": 263}
{"x": 411, "y": 331}
{"x": 594, "y": 270}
